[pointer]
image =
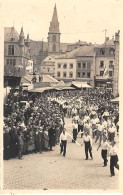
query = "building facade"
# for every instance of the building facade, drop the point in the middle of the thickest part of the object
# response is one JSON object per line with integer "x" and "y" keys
{"x": 65, "y": 69}
{"x": 105, "y": 56}
{"x": 16, "y": 52}
{"x": 85, "y": 69}
{"x": 116, "y": 67}
{"x": 47, "y": 66}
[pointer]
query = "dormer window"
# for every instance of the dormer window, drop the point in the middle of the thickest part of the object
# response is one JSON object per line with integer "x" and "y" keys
{"x": 102, "y": 51}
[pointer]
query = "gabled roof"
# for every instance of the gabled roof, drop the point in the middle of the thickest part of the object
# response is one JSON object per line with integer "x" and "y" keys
{"x": 10, "y": 32}
{"x": 79, "y": 52}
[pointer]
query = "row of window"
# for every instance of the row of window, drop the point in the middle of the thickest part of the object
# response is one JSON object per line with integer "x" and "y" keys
{"x": 110, "y": 73}
{"x": 48, "y": 69}
{"x": 84, "y": 65}
{"x": 102, "y": 64}
{"x": 111, "y": 51}
{"x": 65, "y": 74}
{"x": 83, "y": 74}
{"x": 65, "y": 65}
{"x": 11, "y": 62}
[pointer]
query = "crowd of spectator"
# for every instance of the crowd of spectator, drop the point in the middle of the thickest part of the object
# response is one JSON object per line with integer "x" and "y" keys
{"x": 34, "y": 123}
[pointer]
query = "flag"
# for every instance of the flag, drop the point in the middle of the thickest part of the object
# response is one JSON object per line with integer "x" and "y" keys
{"x": 106, "y": 72}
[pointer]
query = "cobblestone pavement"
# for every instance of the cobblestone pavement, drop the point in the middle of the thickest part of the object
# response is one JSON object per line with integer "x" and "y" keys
{"x": 51, "y": 170}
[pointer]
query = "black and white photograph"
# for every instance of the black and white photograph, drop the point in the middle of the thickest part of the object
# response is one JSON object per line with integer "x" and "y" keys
{"x": 61, "y": 97}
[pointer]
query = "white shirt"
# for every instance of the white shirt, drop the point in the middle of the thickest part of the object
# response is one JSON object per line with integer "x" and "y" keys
{"x": 75, "y": 126}
{"x": 112, "y": 129}
{"x": 93, "y": 121}
{"x": 87, "y": 139}
{"x": 63, "y": 137}
{"x": 113, "y": 151}
{"x": 100, "y": 127}
{"x": 105, "y": 145}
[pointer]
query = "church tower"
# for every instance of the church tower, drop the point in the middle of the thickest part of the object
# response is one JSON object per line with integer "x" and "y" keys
{"x": 54, "y": 35}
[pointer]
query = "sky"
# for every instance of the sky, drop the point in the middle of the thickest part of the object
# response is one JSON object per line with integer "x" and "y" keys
{"x": 83, "y": 20}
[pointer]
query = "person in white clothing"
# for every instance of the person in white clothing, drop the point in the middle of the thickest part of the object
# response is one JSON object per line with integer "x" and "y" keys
{"x": 100, "y": 130}
{"x": 88, "y": 145}
{"x": 111, "y": 132}
{"x": 63, "y": 142}
{"x": 75, "y": 130}
{"x": 105, "y": 148}
{"x": 113, "y": 158}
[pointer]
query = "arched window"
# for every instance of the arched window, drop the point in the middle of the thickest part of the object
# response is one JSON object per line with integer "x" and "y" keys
{"x": 54, "y": 48}
{"x": 54, "y": 38}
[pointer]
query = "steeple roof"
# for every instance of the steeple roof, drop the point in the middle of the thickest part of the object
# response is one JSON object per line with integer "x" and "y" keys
{"x": 22, "y": 33}
{"x": 54, "y": 24}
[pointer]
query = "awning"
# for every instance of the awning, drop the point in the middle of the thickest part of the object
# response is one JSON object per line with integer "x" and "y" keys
{"x": 40, "y": 90}
{"x": 115, "y": 100}
{"x": 81, "y": 85}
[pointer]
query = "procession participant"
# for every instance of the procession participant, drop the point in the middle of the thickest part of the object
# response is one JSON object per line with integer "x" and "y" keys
{"x": 94, "y": 125}
{"x": 111, "y": 132}
{"x": 81, "y": 125}
{"x": 63, "y": 142}
{"x": 88, "y": 127}
{"x": 100, "y": 130}
{"x": 87, "y": 141}
{"x": 104, "y": 150}
{"x": 69, "y": 109}
{"x": 105, "y": 114}
{"x": 75, "y": 129}
{"x": 74, "y": 111}
{"x": 113, "y": 158}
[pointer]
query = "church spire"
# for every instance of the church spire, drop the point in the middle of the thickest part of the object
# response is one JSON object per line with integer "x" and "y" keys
{"x": 21, "y": 37}
{"x": 54, "y": 24}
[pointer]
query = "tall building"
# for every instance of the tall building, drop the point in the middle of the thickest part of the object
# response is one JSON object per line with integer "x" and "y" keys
{"x": 16, "y": 52}
{"x": 41, "y": 49}
{"x": 105, "y": 60}
{"x": 116, "y": 66}
{"x": 54, "y": 35}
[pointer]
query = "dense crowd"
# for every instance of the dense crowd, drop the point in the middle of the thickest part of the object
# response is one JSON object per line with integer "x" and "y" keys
{"x": 35, "y": 126}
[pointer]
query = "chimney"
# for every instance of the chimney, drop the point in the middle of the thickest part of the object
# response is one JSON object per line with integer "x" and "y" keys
{"x": 117, "y": 35}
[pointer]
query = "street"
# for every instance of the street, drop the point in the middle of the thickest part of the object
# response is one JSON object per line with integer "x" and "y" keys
{"x": 51, "y": 170}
